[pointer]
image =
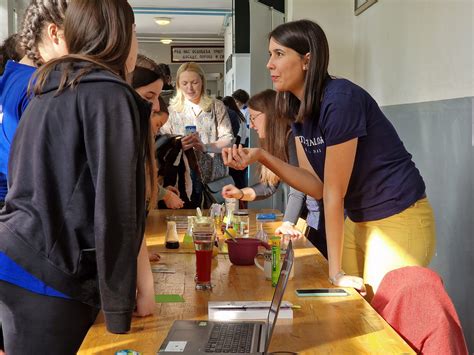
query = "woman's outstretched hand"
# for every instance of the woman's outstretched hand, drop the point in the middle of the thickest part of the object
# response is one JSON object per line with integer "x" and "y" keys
{"x": 238, "y": 157}
{"x": 287, "y": 228}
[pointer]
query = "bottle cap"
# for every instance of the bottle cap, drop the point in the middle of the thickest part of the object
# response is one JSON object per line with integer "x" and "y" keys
{"x": 241, "y": 213}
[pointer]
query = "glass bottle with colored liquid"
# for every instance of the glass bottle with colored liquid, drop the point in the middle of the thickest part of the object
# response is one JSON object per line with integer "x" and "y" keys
{"x": 171, "y": 238}
{"x": 188, "y": 235}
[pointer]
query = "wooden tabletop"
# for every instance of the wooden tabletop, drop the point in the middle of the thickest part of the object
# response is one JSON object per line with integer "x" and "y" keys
{"x": 323, "y": 325}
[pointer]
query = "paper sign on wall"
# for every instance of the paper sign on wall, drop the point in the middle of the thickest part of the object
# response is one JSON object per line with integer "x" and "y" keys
{"x": 180, "y": 54}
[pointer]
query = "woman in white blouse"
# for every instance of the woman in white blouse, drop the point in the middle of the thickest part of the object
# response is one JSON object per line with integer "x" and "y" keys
{"x": 191, "y": 106}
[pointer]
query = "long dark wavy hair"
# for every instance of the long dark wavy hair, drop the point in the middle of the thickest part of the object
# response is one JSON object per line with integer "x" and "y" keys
{"x": 98, "y": 32}
{"x": 304, "y": 37}
{"x": 230, "y": 103}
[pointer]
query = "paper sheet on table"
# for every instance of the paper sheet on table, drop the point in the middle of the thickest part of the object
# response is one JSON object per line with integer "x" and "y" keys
{"x": 168, "y": 298}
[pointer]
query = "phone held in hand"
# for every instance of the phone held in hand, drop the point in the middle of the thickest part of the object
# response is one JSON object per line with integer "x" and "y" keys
{"x": 189, "y": 129}
{"x": 321, "y": 292}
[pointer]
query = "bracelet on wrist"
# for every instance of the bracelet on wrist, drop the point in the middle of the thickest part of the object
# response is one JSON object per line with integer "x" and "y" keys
{"x": 241, "y": 196}
{"x": 333, "y": 280}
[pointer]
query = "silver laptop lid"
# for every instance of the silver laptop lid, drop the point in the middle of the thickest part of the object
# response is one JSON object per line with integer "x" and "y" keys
{"x": 278, "y": 294}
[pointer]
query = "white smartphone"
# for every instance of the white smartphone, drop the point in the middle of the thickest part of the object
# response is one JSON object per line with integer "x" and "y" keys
{"x": 321, "y": 292}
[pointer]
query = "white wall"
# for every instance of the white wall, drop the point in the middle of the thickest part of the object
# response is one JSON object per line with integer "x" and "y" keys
{"x": 415, "y": 51}
{"x": 3, "y": 20}
{"x": 400, "y": 51}
{"x": 336, "y": 17}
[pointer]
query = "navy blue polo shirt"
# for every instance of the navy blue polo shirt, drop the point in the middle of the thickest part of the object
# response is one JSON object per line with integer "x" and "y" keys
{"x": 384, "y": 180}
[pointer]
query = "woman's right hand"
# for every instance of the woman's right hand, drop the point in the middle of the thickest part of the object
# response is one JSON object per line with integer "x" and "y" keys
{"x": 172, "y": 200}
{"x": 189, "y": 141}
{"x": 230, "y": 191}
{"x": 239, "y": 157}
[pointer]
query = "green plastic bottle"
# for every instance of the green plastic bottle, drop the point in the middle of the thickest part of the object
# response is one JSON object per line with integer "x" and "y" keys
{"x": 276, "y": 254}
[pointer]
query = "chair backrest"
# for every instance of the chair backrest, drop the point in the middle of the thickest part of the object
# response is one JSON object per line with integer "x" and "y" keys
{"x": 414, "y": 302}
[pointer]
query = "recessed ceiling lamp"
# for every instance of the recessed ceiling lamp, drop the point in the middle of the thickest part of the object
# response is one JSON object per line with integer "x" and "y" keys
{"x": 162, "y": 21}
{"x": 166, "y": 41}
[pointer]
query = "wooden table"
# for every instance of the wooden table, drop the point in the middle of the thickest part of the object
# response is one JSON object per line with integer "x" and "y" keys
{"x": 323, "y": 325}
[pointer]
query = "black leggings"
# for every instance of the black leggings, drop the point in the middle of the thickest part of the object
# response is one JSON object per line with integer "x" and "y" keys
{"x": 38, "y": 324}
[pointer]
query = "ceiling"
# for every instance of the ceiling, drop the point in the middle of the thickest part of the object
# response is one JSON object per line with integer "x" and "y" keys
{"x": 192, "y": 21}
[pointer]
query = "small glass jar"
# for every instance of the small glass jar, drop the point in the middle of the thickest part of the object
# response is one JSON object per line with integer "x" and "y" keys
{"x": 241, "y": 222}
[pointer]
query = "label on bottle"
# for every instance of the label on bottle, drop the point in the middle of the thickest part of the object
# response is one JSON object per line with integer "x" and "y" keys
{"x": 275, "y": 263}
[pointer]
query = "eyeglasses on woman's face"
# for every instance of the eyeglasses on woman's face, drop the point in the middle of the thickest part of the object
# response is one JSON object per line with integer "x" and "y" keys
{"x": 254, "y": 117}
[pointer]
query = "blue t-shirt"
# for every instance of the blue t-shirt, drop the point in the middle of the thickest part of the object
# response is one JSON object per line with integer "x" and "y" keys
{"x": 384, "y": 179}
{"x": 13, "y": 101}
{"x": 13, "y": 273}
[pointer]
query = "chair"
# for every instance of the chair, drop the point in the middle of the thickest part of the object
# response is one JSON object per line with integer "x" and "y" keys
{"x": 414, "y": 302}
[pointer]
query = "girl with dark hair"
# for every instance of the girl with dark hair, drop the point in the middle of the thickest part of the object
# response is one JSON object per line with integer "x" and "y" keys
{"x": 148, "y": 82}
{"x": 73, "y": 223}
{"x": 239, "y": 129}
{"x": 10, "y": 50}
{"x": 41, "y": 39}
{"x": 236, "y": 117}
{"x": 350, "y": 156}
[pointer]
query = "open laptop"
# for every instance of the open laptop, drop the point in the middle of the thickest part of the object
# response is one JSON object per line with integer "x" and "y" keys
{"x": 237, "y": 337}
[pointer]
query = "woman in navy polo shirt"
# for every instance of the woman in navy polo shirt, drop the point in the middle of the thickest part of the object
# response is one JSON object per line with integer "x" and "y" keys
{"x": 351, "y": 156}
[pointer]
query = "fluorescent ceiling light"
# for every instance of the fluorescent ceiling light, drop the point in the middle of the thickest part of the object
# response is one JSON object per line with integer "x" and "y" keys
{"x": 166, "y": 41}
{"x": 162, "y": 21}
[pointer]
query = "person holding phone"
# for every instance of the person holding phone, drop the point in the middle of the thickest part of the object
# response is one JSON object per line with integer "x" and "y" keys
{"x": 74, "y": 215}
{"x": 351, "y": 156}
{"x": 192, "y": 106}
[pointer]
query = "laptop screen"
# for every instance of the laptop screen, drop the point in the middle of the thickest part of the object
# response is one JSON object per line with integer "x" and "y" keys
{"x": 278, "y": 294}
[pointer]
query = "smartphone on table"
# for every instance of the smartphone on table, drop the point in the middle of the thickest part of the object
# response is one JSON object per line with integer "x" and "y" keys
{"x": 321, "y": 292}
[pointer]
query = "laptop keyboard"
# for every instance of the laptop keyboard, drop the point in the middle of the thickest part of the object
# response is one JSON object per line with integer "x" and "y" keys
{"x": 230, "y": 338}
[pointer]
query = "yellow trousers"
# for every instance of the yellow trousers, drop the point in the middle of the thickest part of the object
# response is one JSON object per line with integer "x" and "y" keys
{"x": 371, "y": 249}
